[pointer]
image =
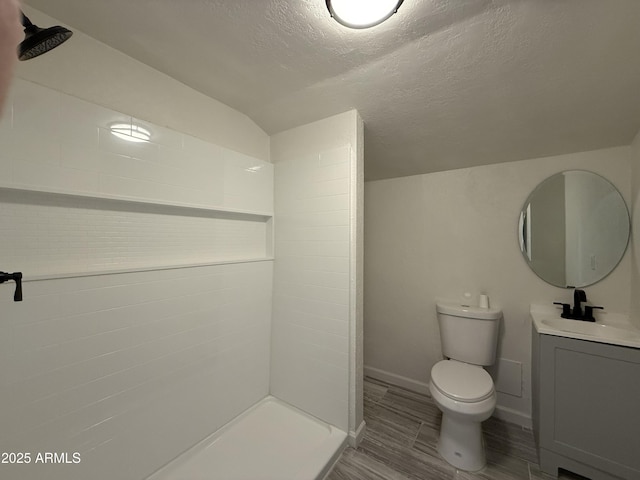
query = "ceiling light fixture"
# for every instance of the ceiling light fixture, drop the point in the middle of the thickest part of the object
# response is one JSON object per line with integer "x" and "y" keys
{"x": 362, "y": 13}
{"x": 130, "y": 132}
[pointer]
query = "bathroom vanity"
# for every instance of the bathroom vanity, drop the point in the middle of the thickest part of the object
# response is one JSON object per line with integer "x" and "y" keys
{"x": 586, "y": 395}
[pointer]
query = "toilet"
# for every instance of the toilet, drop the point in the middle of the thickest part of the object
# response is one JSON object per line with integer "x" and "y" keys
{"x": 460, "y": 386}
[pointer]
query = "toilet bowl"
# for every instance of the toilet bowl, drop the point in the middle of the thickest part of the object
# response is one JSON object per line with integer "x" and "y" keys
{"x": 466, "y": 397}
{"x": 459, "y": 386}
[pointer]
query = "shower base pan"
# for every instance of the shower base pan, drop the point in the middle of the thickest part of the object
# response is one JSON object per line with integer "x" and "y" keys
{"x": 270, "y": 441}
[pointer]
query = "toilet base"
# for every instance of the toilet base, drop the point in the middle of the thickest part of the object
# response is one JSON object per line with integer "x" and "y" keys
{"x": 460, "y": 443}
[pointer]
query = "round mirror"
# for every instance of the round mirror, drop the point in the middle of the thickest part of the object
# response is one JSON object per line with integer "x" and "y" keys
{"x": 574, "y": 229}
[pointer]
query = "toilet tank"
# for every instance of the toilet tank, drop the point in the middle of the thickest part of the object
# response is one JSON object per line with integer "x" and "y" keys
{"x": 469, "y": 334}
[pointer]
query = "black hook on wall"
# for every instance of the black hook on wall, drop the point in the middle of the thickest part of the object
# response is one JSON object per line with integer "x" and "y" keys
{"x": 16, "y": 277}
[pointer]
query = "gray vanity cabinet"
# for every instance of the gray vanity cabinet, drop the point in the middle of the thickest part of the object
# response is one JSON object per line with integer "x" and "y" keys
{"x": 586, "y": 407}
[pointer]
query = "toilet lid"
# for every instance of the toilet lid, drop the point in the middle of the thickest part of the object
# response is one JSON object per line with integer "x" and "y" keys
{"x": 461, "y": 381}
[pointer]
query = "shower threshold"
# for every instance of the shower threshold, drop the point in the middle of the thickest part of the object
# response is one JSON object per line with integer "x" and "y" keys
{"x": 270, "y": 441}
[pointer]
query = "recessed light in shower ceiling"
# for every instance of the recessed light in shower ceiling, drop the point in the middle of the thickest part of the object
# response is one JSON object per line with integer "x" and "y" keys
{"x": 130, "y": 132}
{"x": 362, "y": 13}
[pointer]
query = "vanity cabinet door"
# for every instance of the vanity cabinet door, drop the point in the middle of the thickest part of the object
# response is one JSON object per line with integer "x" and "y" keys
{"x": 588, "y": 407}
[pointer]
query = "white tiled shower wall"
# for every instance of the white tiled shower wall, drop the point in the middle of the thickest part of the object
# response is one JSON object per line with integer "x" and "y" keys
{"x": 310, "y": 335}
{"x": 54, "y": 141}
{"x": 128, "y": 369}
{"x": 50, "y": 234}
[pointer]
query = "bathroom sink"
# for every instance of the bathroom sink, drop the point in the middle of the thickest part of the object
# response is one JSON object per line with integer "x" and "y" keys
{"x": 592, "y": 329}
{"x": 612, "y": 328}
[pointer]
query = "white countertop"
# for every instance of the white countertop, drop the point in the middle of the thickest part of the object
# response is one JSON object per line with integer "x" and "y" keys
{"x": 611, "y": 328}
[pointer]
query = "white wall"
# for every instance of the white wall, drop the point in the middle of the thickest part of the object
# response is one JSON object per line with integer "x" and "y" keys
{"x": 440, "y": 235}
{"x": 635, "y": 236}
{"x": 89, "y": 69}
{"x": 315, "y": 304}
{"x": 128, "y": 369}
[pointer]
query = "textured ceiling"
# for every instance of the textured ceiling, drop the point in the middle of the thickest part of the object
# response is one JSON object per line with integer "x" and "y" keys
{"x": 443, "y": 84}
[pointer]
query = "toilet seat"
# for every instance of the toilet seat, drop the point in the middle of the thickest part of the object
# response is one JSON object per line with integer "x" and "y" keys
{"x": 462, "y": 382}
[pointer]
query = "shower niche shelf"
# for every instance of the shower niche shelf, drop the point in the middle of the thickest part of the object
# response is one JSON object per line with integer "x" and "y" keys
{"x": 34, "y": 191}
{"x": 182, "y": 235}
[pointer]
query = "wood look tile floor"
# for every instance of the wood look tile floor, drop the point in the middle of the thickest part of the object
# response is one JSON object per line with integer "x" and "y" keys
{"x": 401, "y": 438}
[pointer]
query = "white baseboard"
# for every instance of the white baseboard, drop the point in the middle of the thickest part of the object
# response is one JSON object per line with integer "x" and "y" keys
{"x": 513, "y": 416}
{"x": 503, "y": 413}
{"x": 399, "y": 380}
{"x": 356, "y": 437}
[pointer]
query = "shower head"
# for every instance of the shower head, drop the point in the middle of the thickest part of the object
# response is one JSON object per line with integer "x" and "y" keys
{"x": 40, "y": 40}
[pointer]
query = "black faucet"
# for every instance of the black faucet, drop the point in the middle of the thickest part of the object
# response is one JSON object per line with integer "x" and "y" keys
{"x": 579, "y": 296}
{"x": 16, "y": 277}
{"x": 576, "y": 313}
